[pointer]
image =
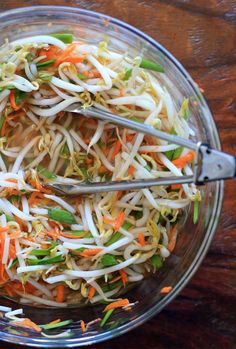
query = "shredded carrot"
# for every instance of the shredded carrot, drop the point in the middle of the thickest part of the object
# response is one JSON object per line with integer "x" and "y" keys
{"x": 175, "y": 186}
{"x": 72, "y": 59}
{"x": 172, "y": 238}
{"x": 12, "y": 249}
{"x": 116, "y": 223}
{"x": 55, "y": 234}
{"x": 90, "y": 252}
{"x": 4, "y": 229}
{"x": 27, "y": 323}
{"x": 83, "y": 326}
{"x": 119, "y": 220}
{"x": 65, "y": 54}
{"x": 27, "y": 287}
{"x": 9, "y": 291}
{"x": 103, "y": 169}
{"x": 4, "y": 125}
{"x": 33, "y": 197}
{"x": 119, "y": 194}
{"x": 91, "y": 293}
{"x": 107, "y": 220}
{"x": 141, "y": 239}
{"x": 130, "y": 137}
{"x": 117, "y": 148}
{"x": 11, "y": 180}
{"x": 166, "y": 289}
{"x": 50, "y": 53}
{"x": 117, "y": 304}
{"x": 124, "y": 276}
{"x": 44, "y": 245}
{"x": 13, "y": 102}
{"x": 70, "y": 236}
{"x": 131, "y": 170}
{"x": 36, "y": 184}
{"x": 60, "y": 289}
{"x": 54, "y": 322}
{"x": 183, "y": 160}
{"x": 20, "y": 222}
{"x": 115, "y": 279}
{"x": 15, "y": 234}
{"x": 3, "y": 275}
{"x": 121, "y": 92}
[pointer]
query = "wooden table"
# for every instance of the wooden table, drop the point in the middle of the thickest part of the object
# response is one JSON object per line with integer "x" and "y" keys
{"x": 202, "y": 36}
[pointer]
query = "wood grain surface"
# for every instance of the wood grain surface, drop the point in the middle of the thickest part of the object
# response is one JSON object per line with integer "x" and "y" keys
{"x": 202, "y": 36}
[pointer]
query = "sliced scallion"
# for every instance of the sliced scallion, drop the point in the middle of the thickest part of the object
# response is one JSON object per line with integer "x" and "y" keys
{"x": 146, "y": 64}
{"x": 61, "y": 216}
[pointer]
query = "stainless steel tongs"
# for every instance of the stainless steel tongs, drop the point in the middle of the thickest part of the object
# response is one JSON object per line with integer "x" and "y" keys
{"x": 210, "y": 164}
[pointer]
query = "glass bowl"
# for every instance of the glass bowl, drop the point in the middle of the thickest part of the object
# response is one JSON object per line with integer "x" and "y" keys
{"x": 193, "y": 240}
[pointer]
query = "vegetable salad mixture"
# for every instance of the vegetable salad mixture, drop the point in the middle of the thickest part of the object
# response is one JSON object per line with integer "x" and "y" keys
{"x": 59, "y": 250}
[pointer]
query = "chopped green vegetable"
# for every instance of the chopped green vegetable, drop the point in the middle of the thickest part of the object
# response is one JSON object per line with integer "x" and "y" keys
{"x": 106, "y": 317}
{"x": 146, "y": 64}
{"x": 64, "y": 150}
{"x": 108, "y": 260}
{"x": 61, "y": 216}
{"x": 101, "y": 143}
{"x": 46, "y": 63}
{"x": 38, "y": 252}
{"x": 53, "y": 260}
{"x": 19, "y": 96}
{"x": 184, "y": 109}
{"x": 56, "y": 325}
{"x": 174, "y": 154}
{"x": 156, "y": 261}
{"x": 137, "y": 120}
{"x": 2, "y": 120}
{"x": 195, "y": 211}
{"x": 45, "y": 77}
{"x": 118, "y": 235}
{"x": 9, "y": 87}
{"x": 148, "y": 168}
{"x": 29, "y": 57}
{"x": 113, "y": 239}
{"x": 81, "y": 249}
{"x": 82, "y": 76}
{"x": 79, "y": 233}
{"x": 128, "y": 73}
{"x": 14, "y": 198}
{"x": 45, "y": 172}
{"x": 9, "y": 218}
{"x": 67, "y": 38}
{"x": 126, "y": 225}
{"x": 112, "y": 286}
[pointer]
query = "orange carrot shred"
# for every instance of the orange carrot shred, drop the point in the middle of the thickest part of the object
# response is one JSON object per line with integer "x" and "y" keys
{"x": 27, "y": 323}
{"x": 119, "y": 221}
{"x": 91, "y": 293}
{"x": 90, "y": 252}
{"x": 60, "y": 293}
{"x": 4, "y": 229}
{"x": 117, "y": 304}
{"x": 54, "y": 322}
{"x": 117, "y": 149}
{"x": 141, "y": 239}
{"x": 166, "y": 289}
{"x": 131, "y": 170}
{"x": 183, "y": 160}
{"x": 83, "y": 326}
{"x": 172, "y": 238}
{"x": 124, "y": 276}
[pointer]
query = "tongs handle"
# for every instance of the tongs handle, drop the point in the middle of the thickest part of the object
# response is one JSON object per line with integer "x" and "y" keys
{"x": 133, "y": 125}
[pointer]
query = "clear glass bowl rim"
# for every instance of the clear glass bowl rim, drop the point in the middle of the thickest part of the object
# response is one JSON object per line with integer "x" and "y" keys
{"x": 63, "y": 342}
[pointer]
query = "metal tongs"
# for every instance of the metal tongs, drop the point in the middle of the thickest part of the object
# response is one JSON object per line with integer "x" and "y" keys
{"x": 210, "y": 164}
